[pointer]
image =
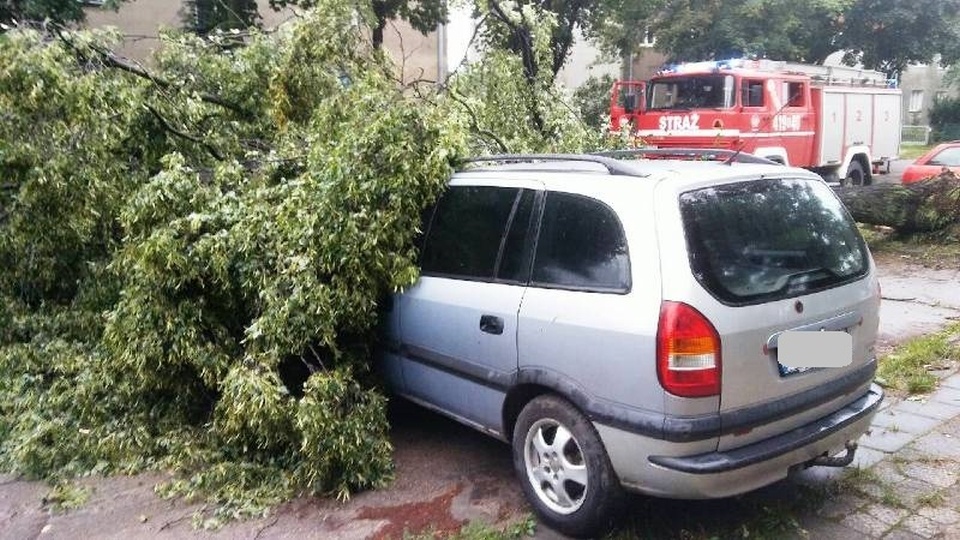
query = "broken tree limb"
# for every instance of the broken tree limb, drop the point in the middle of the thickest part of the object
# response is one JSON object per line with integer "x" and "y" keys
{"x": 925, "y": 206}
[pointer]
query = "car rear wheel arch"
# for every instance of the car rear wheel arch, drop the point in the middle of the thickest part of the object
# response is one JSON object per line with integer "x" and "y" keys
{"x": 517, "y": 399}
{"x": 532, "y": 383}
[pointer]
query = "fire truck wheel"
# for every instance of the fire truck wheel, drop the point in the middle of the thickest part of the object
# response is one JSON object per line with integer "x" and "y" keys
{"x": 855, "y": 175}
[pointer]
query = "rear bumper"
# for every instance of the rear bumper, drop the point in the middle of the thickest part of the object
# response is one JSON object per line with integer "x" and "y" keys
{"x": 657, "y": 469}
{"x": 765, "y": 450}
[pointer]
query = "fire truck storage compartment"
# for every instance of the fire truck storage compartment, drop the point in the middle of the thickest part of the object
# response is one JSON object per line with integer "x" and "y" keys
{"x": 851, "y": 116}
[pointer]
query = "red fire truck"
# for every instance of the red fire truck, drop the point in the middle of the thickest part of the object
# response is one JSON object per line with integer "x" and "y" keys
{"x": 844, "y": 123}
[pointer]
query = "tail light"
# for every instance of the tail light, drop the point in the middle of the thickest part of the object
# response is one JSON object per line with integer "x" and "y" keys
{"x": 688, "y": 352}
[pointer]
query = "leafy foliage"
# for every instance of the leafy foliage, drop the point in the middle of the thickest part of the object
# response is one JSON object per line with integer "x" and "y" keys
{"x": 887, "y": 35}
{"x": 516, "y": 26}
{"x": 881, "y": 34}
{"x": 945, "y": 119}
{"x": 56, "y": 11}
{"x": 690, "y": 30}
{"x": 423, "y": 15}
{"x": 593, "y": 101}
{"x": 191, "y": 258}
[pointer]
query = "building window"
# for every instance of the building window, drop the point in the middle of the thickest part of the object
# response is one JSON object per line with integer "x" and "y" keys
{"x": 648, "y": 39}
{"x": 916, "y": 101}
{"x": 941, "y": 95}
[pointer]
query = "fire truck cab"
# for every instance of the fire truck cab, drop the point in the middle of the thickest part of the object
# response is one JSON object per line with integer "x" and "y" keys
{"x": 843, "y": 123}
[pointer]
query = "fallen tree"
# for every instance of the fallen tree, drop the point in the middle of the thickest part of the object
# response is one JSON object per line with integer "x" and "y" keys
{"x": 191, "y": 254}
{"x": 926, "y": 206}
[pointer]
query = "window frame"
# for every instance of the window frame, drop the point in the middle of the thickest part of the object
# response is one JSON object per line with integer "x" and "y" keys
{"x": 575, "y": 288}
{"x": 745, "y": 84}
{"x": 801, "y": 101}
{"x": 504, "y": 234}
{"x": 709, "y": 282}
{"x": 915, "y": 104}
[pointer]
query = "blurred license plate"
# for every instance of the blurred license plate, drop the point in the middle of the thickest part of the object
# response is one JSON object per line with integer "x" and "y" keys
{"x": 798, "y": 352}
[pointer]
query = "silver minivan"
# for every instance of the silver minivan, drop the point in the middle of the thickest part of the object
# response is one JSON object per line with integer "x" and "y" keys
{"x": 619, "y": 322}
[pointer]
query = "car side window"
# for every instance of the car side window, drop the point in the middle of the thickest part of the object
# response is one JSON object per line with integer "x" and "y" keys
{"x": 581, "y": 246}
{"x": 467, "y": 231}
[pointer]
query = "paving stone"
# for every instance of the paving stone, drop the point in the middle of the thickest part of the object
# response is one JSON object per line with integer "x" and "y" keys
{"x": 841, "y": 506}
{"x": 816, "y": 528}
{"x": 943, "y": 516}
{"x": 895, "y": 420}
{"x": 951, "y": 497}
{"x": 867, "y": 457}
{"x": 939, "y": 444}
{"x": 865, "y": 523}
{"x": 930, "y": 472}
{"x": 886, "y": 514}
{"x": 931, "y": 409}
{"x": 920, "y": 526}
{"x": 951, "y": 382}
{"x": 950, "y": 396}
{"x": 886, "y": 440}
{"x": 900, "y": 534}
{"x": 911, "y": 492}
{"x": 888, "y": 472}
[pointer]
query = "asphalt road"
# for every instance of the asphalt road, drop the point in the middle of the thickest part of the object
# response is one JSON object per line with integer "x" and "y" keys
{"x": 897, "y": 167}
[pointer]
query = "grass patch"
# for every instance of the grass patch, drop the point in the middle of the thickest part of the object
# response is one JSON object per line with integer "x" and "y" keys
{"x": 914, "y": 151}
{"x": 935, "y": 499}
{"x": 907, "y": 368}
{"x": 939, "y": 249}
{"x": 934, "y": 250}
{"x": 868, "y": 484}
{"x": 65, "y": 496}
{"x": 524, "y": 528}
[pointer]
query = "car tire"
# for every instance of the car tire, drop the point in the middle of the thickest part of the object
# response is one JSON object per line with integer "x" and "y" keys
{"x": 855, "y": 175}
{"x": 564, "y": 469}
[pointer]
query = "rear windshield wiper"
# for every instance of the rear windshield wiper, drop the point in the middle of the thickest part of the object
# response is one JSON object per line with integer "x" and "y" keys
{"x": 804, "y": 277}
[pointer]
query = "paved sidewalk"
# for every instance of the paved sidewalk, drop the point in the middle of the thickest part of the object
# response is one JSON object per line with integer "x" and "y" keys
{"x": 913, "y": 453}
{"x": 905, "y": 482}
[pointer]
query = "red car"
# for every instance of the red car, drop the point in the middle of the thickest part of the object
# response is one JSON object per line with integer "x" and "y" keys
{"x": 943, "y": 156}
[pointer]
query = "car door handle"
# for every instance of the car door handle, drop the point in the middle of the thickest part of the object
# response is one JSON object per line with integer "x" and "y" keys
{"x": 491, "y": 324}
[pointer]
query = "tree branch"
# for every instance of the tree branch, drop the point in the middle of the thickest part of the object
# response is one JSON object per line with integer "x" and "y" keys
{"x": 528, "y": 56}
{"x": 524, "y": 42}
{"x": 166, "y": 125}
{"x": 476, "y": 124}
{"x": 111, "y": 60}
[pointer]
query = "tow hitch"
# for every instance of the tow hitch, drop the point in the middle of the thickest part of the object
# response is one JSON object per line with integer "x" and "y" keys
{"x": 842, "y": 461}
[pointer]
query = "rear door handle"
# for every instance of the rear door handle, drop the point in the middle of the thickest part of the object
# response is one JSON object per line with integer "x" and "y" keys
{"x": 491, "y": 324}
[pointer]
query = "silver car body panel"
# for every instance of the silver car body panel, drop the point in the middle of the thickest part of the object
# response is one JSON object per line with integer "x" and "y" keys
{"x": 598, "y": 349}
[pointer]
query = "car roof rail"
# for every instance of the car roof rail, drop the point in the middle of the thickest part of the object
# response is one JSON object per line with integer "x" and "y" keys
{"x": 706, "y": 154}
{"x": 613, "y": 166}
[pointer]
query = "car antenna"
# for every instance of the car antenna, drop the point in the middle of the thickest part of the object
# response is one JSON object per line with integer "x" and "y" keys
{"x": 733, "y": 157}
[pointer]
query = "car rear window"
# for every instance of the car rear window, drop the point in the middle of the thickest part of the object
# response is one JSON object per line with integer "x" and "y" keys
{"x": 766, "y": 239}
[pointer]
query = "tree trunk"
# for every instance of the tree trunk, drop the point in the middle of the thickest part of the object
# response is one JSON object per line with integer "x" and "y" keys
{"x": 929, "y": 205}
